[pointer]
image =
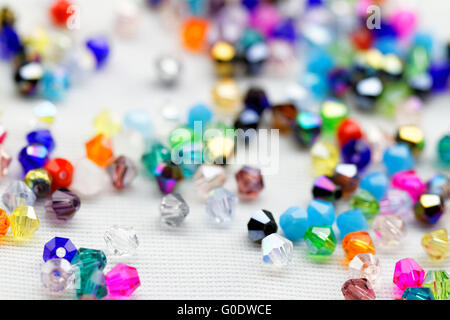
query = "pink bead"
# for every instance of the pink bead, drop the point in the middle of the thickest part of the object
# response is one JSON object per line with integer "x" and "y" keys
{"x": 362, "y": 6}
{"x": 122, "y": 281}
{"x": 408, "y": 274}
{"x": 404, "y": 22}
{"x": 410, "y": 182}
{"x": 265, "y": 18}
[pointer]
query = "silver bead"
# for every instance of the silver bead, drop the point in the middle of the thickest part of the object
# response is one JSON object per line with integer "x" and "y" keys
{"x": 168, "y": 69}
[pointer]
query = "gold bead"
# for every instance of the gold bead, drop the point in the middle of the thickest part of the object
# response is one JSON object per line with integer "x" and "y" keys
{"x": 227, "y": 96}
{"x": 40, "y": 181}
{"x": 223, "y": 54}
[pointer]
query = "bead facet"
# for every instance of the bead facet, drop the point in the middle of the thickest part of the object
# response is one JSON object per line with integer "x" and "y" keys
{"x": 277, "y": 250}
{"x": 61, "y": 248}
{"x": 358, "y": 289}
{"x": 346, "y": 176}
{"x": 221, "y": 205}
{"x": 351, "y": 221}
{"x": 57, "y": 275}
{"x": 324, "y": 188}
{"x": 99, "y": 150}
{"x": 413, "y": 137}
{"x": 4, "y": 223}
{"x": 307, "y": 128}
{"x": 320, "y": 213}
{"x": 121, "y": 241}
{"x": 321, "y": 241}
{"x": 122, "y": 172}
{"x": 365, "y": 265}
{"x": 261, "y": 225}
{"x": 250, "y": 182}
{"x": 324, "y": 157}
{"x": 173, "y": 209}
{"x": 367, "y": 203}
{"x": 437, "y": 281}
{"x": 122, "y": 280}
{"x": 39, "y": 181}
{"x": 389, "y": 230}
{"x": 294, "y": 223}
{"x": 376, "y": 183}
{"x": 408, "y": 274}
{"x": 417, "y": 294}
{"x": 357, "y": 242}
{"x": 168, "y": 175}
{"x": 429, "y": 208}
{"x": 357, "y": 152}
{"x": 16, "y": 194}
{"x": 61, "y": 171}
{"x": 398, "y": 158}
{"x": 435, "y": 244}
{"x": 24, "y": 222}
{"x": 63, "y": 204}
{"x": 207, "y": 178}
{"x": 410, "y": 182}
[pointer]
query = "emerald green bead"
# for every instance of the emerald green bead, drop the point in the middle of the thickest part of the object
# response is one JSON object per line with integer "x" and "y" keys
{"x": 366, "y": 202}
{"x": 332, "y": 112}
{"x": 439, "y": 284}
{"x": 181, "y": 135}
{"x": 93, "y": 286}
{"x": 88, "y": 260}
{"x": 321, "y": 241}
{"x": 157, "y": 154}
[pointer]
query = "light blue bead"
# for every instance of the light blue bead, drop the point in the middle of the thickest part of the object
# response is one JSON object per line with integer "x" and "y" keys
{"x": 54, "y": 84}
{"x": 424, "y": 40}
{"x": 376, "y": 183}
{"x": 317, "y": 84}
{"x": 139, "y": 120}
{"x": 199, "y": 113}
{"x": 320, "y": 62}
{"x": 320, "y": 213}
{"x": 398, "y": 158}
{"x": 294, "y": 223}
{"x": 388, "y": 45}
{"x": 189, "y": 157}
{"x": 351, "y": 221}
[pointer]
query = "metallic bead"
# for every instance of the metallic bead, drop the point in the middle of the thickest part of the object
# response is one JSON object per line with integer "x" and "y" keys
{"x": 223, "y": 54}
{"x": 40, "y": 181}
{"x": 429, "y": 208}
{"x": 226, "y": 96}
{"x": 413, "y": 137}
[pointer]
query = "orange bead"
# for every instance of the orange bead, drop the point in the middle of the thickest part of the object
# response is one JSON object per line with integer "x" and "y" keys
{"x": 194, "y": 34}
{"x": 99, "y": 150}
{"x": 357, "y": 242}
{"x": 4, "y": 222}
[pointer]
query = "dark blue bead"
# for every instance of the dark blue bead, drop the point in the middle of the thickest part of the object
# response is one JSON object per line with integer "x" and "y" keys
{"x": 286, "y": 30}
{"x": 247, "y": 120}
{"x": 33, "y": 157}
{"x": 9, "y": 42}
{"x": 51, "y": 247}
{"x": 256, "y": 99}
{"x": 440, "y": 73}
{"x": 314, "y": 3}
{"x": 42, "y": 136}
{"x": 385, "y": 30}
{"x": 250, "y": 4}
{"x": 99, "y": 46}
{"x": 357, "y": 152}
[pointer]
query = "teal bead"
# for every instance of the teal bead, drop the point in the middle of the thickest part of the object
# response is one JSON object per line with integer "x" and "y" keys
{"x": 444, "y": 149}
{"x": 93, "y": 286}
{"x": 417, "y": 294}
{"x": 294, "y": 223}
{"x": 140, "y": 121}
{"x": 398, "y": 157}
{"x": 157, "y": 154}
{"x": 320, "y": 213}
{"x": 351, "y": 221}
{"x": 189, "y": 156}
{"x": 376, "y": 183}
{"x": 200, "y": 114}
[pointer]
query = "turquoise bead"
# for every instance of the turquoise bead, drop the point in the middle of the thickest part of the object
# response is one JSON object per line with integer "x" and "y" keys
{"x": 189, "y": 156}
{"x": 294, "y": 223}
{"x": 320, "y": 213}
{"x": 417, "y": 294}
{"x": 199, "y": 113}
{"x": 444, "y": 149}
{"x": 424, "y": 40}
{"x": 55, "y": 84}
{"x": 351, "y": 221}
{"x": 376, "y": 183}
{"x": 398, "y": 158}
{"x": 139, "y": 120}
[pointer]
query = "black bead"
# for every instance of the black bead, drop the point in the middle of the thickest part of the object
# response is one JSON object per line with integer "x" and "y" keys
{"x": 261, "y": 225}
{"x": 256, "y": 99}
{"x": 367, "y": 91}
{"x": 325, "y": 188}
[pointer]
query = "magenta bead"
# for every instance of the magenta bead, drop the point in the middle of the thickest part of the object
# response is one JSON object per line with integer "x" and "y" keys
{"x": 265, "y": 18}
{"x": 122, "y": 281}
{"x": 404, "y": 22}
{"x": 410, "y": 182}
{"x": 408, "y": 274}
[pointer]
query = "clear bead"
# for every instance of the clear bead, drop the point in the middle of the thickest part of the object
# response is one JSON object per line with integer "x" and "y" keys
{"x": 121, "y": 241}
{"x": 173, "y": 209}
{"x": 398, "y": 202}
{"x": 221, "y": 205}
{"x": 17, "y": 194}
{"x": 129, "y": 143}
{"x": 88, "y": 179}
{"x": 365, "y": 265}
{"x": 207, "y": 178}
{"x": 277, "y": 250}
{"x": 389, "y": 230}
{"x": 57, "y": 275}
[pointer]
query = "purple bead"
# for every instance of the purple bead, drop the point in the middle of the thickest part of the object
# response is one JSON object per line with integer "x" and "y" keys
{"x": 42, "y": 136}
{"x": 99, "y": 46}
{"x": 357, "y": 152}
{"x": 61, "y": 248}
{"x": 168, "y": 174}
{"x": 440, "y": 73}
{"x": 63, "y": 203}
{"x": 33, "y": 156}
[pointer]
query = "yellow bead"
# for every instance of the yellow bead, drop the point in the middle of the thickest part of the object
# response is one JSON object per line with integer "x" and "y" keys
{"x": 219, "y": 149}
{"x": 223, "y": 54}
{"x": 227, "y": 96}
{"x": 39, "y": 41}
{"x": 436, "y": 244}
{"x": 107, "y": 123}
{"x": 24, "y": 222}
{"x": 324, "y": 157}
{"x": 412, "y": 136}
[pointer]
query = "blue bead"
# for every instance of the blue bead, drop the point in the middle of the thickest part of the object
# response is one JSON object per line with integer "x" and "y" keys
{"x": 51, "y": 248}
{"x": 424, "y": 40}
{"x": 286, "y": 30}
{"x": 388, "y": 45}
{"x": 320, "y": 213}
{"x": 376, "y": 183}
{"x": 320, "y": 62}
{"x": 294, "y": 223}
{"x": 250, "y": 4}
{"x": 440, "y": 73}
{"x": 317, "y": 84}
{"x": 42, "y": 136}
{"x": 189, "y": 157}
{"x": 351, "y": 221}
{"x": 196, "y": 7}
{"x": 417, "y": 294}
{"x": 438, "y": 185}
{"x": 201, "y": 114}
{"x": 140, "y": 121}
{"x": 34, "y": 156}
{"x": 314, "y": 3}
{"x": 9, "y": 42}
{"x": 398, "y": 158}
{"x": 358, "y": 153}
{"x": 54, "y": 84}
{"x": 99, "y": 46}
{"x": 385, "y": 30}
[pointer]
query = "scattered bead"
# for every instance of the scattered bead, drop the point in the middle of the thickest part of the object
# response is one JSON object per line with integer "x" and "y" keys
{"x": 121, "y": 241}
{"x": 376, "y": 183}
{"x": 351, "y": 221}
{"x": 122, "y": 172}
{"x": 108, "y": 123}
{"x": 4, "y": 223}
{"x": 357, "y": 242}
{"x": 365, "y": 265}
{"x": 24, "y": 222}
{"x": 398, "y": 158}
{"x": 168, "y": 175}
{"x": 320, "y": 213}
{"x": 435, "y": 244}
{"x": 168, "y": 69}
{"x": 358, "y": 289}
{"x": 122, "y": 280}
{"x": 439, "y": 185}
{"x": 283, "y": 116}
{"x": 294, "y": 223}
{"x": 413, "y": 137}
{"x": 325, "y": 157}
{"x": 408, "y": 274}
{"x": 5, "y": 161}
{"x": 429, "y": 208}
{"x": 320, "y": 241}
{"x": 88, "y": 178}
{"x": 194, "y": 33}
{"x": 444, "y": 149}
{"x": 99, "y": 46}
{"x": 358, "y": 153}
{"x": 417, "y": 294}
{"x": 34, "y": 156}
{"x": 99, "y": 150}
{"x": 207, "y": 178}
{"x": 367, "y": 203}
{"x": 61, "y": 248}
{"x": 410, "y": 182}
{"x": 39, "y": 181}
{"x": 61, "y": 171}
{"x": 173, "y": 209}
{"x": 226, "y": 96}
{"x": 57, "y": 275}
{"x": 261, "y": 225}
{"x": 333, "y": 112}
{"x": 437, "y": 282}
{"x": 16, "y": 194}
{"x": 250, "y": 183}
{"x": 277, "y": 250}
{"x": 346, "y": 176}
{"x": 221, "y": 205}
{"x": 396, "y": 201}
{"x": 325, "y": 189}
{"x": 389, "y": 230}
{"x": 307, "y": 128}
{"x": 63, "y": 203}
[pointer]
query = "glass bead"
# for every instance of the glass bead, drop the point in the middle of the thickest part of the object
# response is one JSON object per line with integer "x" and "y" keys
{"x": 4, "y": 223}
{"x": 408, "y": 273}
{"x": 324, "y": 157}
{"x": 265, "y": 18}
{"x": 351, "y": 221}
{"x": 108, "y": 123}
{"x": 174, "y": 209}
{"x": 320, "y": 241}
{"x": 207, "y": 178}
{"x": 246, "y": 124}
{"x": 60, "y": 13}
{"x": 389, "y": 230}
{"x": 398, "y": 157}
{"x": 182, "y": 135}
{"x": 307, "y": 128}
{"x": 127, "y": 17}
{"x": 367, "y": 203}
{"x": 24, "y": 222}
{"x": 437, "y": 281}
{"x": 362, "y": 39}
{"x": 223, "y": 54}
{"x": 348, "y": 130}
{"x": 61, "y": 248}
{"x": 340, "y": 82}
{"x": 63, "y": 203}
{"x": 333, "y": 112}
{"x": 378, "y": 141}
{"x": 157, "y": 154}
{"x": 27, "y": 78}
{"x": 324, "y": 188}
{"x": 40, "y": 181}
{"x": 277, "y": 250}
{"x": 358, "y": 289}
{"x": 42, "y": 137}
{"x": 320, "y": 213}
{"x": 283, "y": 116}
{"x": 255, "y": 57}
{"x": 417, "y": 294}
{"x": 100, "y": 48}
{"x": 226, "y": 96}
{"x": 88, "y": 178}
{"x": 122, "y": 172}
{"x": 435, "y": 244}
{"x": 57, "y": 275}
{"x": 393, "y": 94}
{"x": 413, "y": 137}
{"x": 346, "y": 176}
{"x": 367, "y": 91}
{"x": 249, "y": 183}
{"x": 221, "y": 205}
{"x": 61, "y": 171}
{"x": 294, "y": 223}
{"x": 409, "y": 112}
{"x": 257, "y": 100}
{"x": 261, "y": 225}
{"x": 429, "y": 208}
{"x": 121, "y": 241}
{"x": 33, "y": 157}
{"x": 410, "y": 182}
{"x": 5, "y": 161}
{"x": 168, "y": 175}
{"x": 376, "y": 183}
{"x": 99, "y": 150}
{"x": 444, "y": 149}
{"x": 55, "y": 83}
{"x": 122, "y": 280}
{"x": 366, "y": 266}
{"x": 439, "y": 185}
{"x": 87, "y": 261}
{"x": 10, "y": 44}
{"x": 421, "y": 84}
{"x": 199, "y": 114}
{"x": 396, "y": 201}
{"x": 440, "y": 73}
{"x": 189, "y": 156}
{"x": 93, "y": 286}
{"x": 168, "y": 70}
{"x": 16, "y": 194}
{"x": 357, "y": 242}
{"x": 139, "y": 120}
{"x": 357, "y": 152}
{"x": 194, "y": 31}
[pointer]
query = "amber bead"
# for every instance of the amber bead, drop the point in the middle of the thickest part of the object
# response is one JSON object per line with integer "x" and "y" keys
{"x": 283, "y": 116}
{"x": 99, "y": 150}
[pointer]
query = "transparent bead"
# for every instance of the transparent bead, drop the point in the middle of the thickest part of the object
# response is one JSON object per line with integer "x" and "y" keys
{"x": 325, "y": 157}
{"x": 277, "y": 250}
{"x": 5, "y": 161}
{"x": 108, "y": 123}
{"x": 88, "y": 178}
{"x": 129, "y": 143}
{"x": 365, "y": 265}
{"x": 17, "y": 194}
{"x": 45, "y": 112}
{"x": 127, "y": 18}
{"x": 168, "y": 70}
{"x": 173, "y": 209}
{"x": 221, "y": 205}
{"x": 57, "y": 275}
{"x": 227, "y": 96}
{"x": 121, "y": 241}
{"x": 122, "y": 172}
{"x": 378, "y": 141}
{"x": 435, "y": 244}
{"x": 396, "y": 201}
{"x": 389, "y": 230}
{"x": 207, "y": 178}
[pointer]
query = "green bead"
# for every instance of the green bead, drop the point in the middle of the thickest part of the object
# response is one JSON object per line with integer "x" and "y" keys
{"x": 93, "y": 286}
{"x": 366, "y": 202}
{"x": 321, "y": 241}
{"x": 393, "y": 95}
{"x": 343, "y": 52}
{"x": 181, "y": 135}
{"x": 438, "y": 283}
{"x": 217, "y": 129}
{"x": 444, "y": 149}
{"x": 333, "y": 112}
{"x": 158, "y": 153}
{"x": 418, "y": 62}
{"x": 88, "y": 260}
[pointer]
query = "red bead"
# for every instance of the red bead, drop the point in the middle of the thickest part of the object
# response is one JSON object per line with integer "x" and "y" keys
{"x": 60, "y": 12}
{"x": 362, "y": 39}
{"x": 3, "y": 134}
{"x": 61, "y": 171}
{"x": 348, "y": 130}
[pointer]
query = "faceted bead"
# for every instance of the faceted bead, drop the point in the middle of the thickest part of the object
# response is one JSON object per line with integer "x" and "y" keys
{"x": 444, "y": 149}
{"x": 7, "y": 16}
{"x": 130, "y": 143}
{"x": 357, "y": 152}
{"x": 321, "y": 241}
{"x": 189, "y": 156}
{"x": 410, "y": 182}
{"x": 261, "y": 225}
{"x": 5, "y": 161}
{"x": 55, "y": 83}
{"x": 247, "y": 121}
{"x": 16, "y": 194}
{"x": 201, "y": 114}
{"x": 408, "y": 273}
{"x": 324, "y": 157}
{"x": 417, "y": 294}
{"x": 61, "y": 248}
{"x": 33, "y": 157}
{"x": 223, "y": 54}
{"x": 396, "y": 201}
{"x": 89, "y": 260}
{"x": 365, "y": 265}
{"x": 127, "y": 18}
{"x": 57, "y": 275}
{"x": 320, "y": 213}
{"x": 122, "y": 280}
{"x": 277, "y": 250}
{"x": 24, "y": 222}
{"x": 257, "y": 100}
{"x": 346, "y": 176}
{"x": 43, "y": 137}
{"x": 45, "y": 112}
{"x": 221, "y": 205}
{"x": 4, "y": 223}
{"x": 207, "y": 178}
{"x": 393, "y": 94}
{"x": 376, "y": 183}
{"x": 409, "y": 112}
{"x": 340, "y": 83}
{"x": 429, "y": 208}
{"x": 357, "y": 242}
{"x": 250, "y": 182}
{"x": 398, "y": 158}
{"x": 157, "y": 154}
{"x": 27, "y": 77}
{"x": 39, "y": 181}
{"x": 378, "y": 139}
{"x": 437, "y": 281}
{"x": 63, "y": 203}
{"x": 439, "y": 185}
{"x": 92, "y": 285}
{"x": 88, "y": 178}
{"x": 99, "y": 150}
{"x": 307, "y": 128}
{"x": 358, "y": 289}
{"x": 61, "y": 171}
{"x": 108, "y": 123}
{"x": 139, "y": 120}
{"x": 182, "y": 135}
{"x": 435, "y": 244}
{"x": 60, "y": 12}
{"x": 333, "y": 112}
{"x": 324, "y": 188}
{"x": 351, "y": 221}
{"x": 367, "y": 91}
{"x": 168, "y": 175}
{"x": 173, "y": 209}
{"x": 194, "y": 32}
{"x": 294, "y": 223}
{"x": 389, "y": 230}
{"x": 283, "y": 116}
{"x": 226, "y": 96}
{"x": 121, "y": 241}
{"x": 218, "y": 149}
{"x": 367, "y": 203}
{"x": 122, "y": 172}
{"x": 168, "y": 69}
{"x": 255, "y": 57}
{"x": 413, "y": 137}
{"x": 99, "y": 47}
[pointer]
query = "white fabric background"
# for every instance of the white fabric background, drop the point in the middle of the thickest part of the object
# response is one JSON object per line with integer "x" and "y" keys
{"x": 197, "y": 261}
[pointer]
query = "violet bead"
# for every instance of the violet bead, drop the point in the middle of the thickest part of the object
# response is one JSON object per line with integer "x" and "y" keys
{"x": 357, "y": 152}
{"x": 63, "y": 203}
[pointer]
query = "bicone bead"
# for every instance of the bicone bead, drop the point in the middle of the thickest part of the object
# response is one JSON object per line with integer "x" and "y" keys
{"x": 320, "y": 213}
{"x": 63, "y": 203}
{"x": 324, "y": 188}
{"x": 122, "y": 280}
{"x": 28, "y": 77}
{"x": 283, "y": 116}
{"x": 367, "y": 203}
{"x": 418, "y": 294}
{"x": 294, "y": 223}
{"x": 277, "y": 250}
{"x": 351, "y": 221}
{"x": 437, "y": 281}
{"x": 168, "y": 69}
{"x": 333, "y": 112}
{"x": 443, "y": 149}
{"x": 16, "y": 194}
{"x": 5, "y": 161}
{"x": 320, "y": 241}
{"x": 435, "y": 244}
{"x": 226, "y": 96}
{"x": 324, "y": 157}
{"x": 61, "y": 248}
{"x": 174, "y": 209}
{"x": 413, "y": 137}
{"x": 199, "y": 115}
{"x": 439, "y": 185}
{"x": 4, "y": 223}
{"x": 55, "y": 83}
{"x": 108, "y": 123}
{"x": 357, "y": 242}
{"x": 24, "y": 222}
{"x": 57, "y": 275}
{"x": 376, "y": 183}
{"x": 43, "y": 137}
{"x": 157, "y": 154}
{"x": 257, "y": 100}
{"x": 410, "y": 182}
{"x": 99, "y": 150}
{"x": 88, "y": 178}
{"x": 346, "y": 176}
{"x": 247, "y": 121}
{"x": 398, "y": 158}
{"x": 223, "y": 54}
{"x": 60, "y": 13}
{"x": 33, "y": 156}
{"x": 121, "y": 241}
{"x": 389, "y": 230}
{"x": 250, "y": 182}
{"x": 358, "y": 289}
{"x": 396, "y": 201}
{"x": 429, "y": 208}
{"x": 207, "y": 178}
{"x": 122, "y": 172}
{"x": 261, "y": 225}
{"x": 357, "y": 152}
{"x": 99, "y": 46}
{"x": 365, "y": 265}
{"x": 88, "y": 260}
{"x": 61, "y": 171}
{"x": 39, "y": 181}
{"x": 221, "y": 205}
{"x": 307, "y": 128}
{"x": 194, "y": 33}
{"x": 168, "y": 175}
{"x": 408, "y": 273}
{"x": 92, "y": 286}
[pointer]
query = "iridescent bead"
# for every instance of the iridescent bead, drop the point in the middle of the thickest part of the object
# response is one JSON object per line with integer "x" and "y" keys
{"x": 348, "y": 130}
{"x": 157, "y": 154}
{"x": 333, "y": 112}
{"x": 108, "y": 123}
{"x": 250, "y": 182}
{"x": 389, "y": 230}
{"x": 320, "y": 241}
{"x": 435, "y": 244}
{"x": 413, "y": 137}
{"x": 410, "y": 182}
{"x": 221, "y": 205}
{"x": 358, "y": 289}
{"x": 437, "y": 281}
{"x": 357, "y": 242}
{"x": 122, "y": 280}
{"x": 27, "y": 78}
{"x": 63, "y": 204}
{"x": 223, "y": 54}
{"x": 43, "y": 137}
{"x": 439, "y": 72}
{"x": 61, "y": 248}
{"x": 54, "y": 84}
{"x": 351, "y": 221}
{"x": 376, "y": 183}
{"x": 367, "y": 203}
{"x": 307, "y": 128}
{"x": 40, "y": 181}
{"x": 57, "y": 275}
{"x": 340, "y": 82}
{"x": 33, "y": 157}
{"x": 283, "y": 116}
{"x": 257, "y": 100}
{"x": 121, "y": 241}
{"x": 357, "y": 152}
{"x": 417, "y": 294}
{"x": 88, "y": 178}
{"x": 207, "y": 178}
{"x": 429, "y": 208}
{"x": 16, "y": 194}
{"x": 61, "y": 171}
{"x": 226, "y": 96}
{"x": 396, "y": 201}
{"x": 408, "y": 273}
{"x": 439, "y": 185}
{"x": 122, "y": 172}
{"x": 324, "y": 157}
{"x": 168, "y": 175}
{"x": 324, "y": 188}
{"x": 173, "y": 209}
{"x": 99, "y": 150}
{"x": 92, "y": 286}
{"x": 277, "y": 250}
{"x": 199, "y": 116}
{"x": 99, "y": 47}
{"x": 294, "y": 223}
{"x": 346, "y": 176}
{"x": 168, "y": 70}
{"x": 365, "y": 265}
{"x": 260, "y": 225}
{"x": 5, "y": 161}
{"x": 320, "y": 213}
{"x": 24, "y": 222}
{"x": 443, "y": 149}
